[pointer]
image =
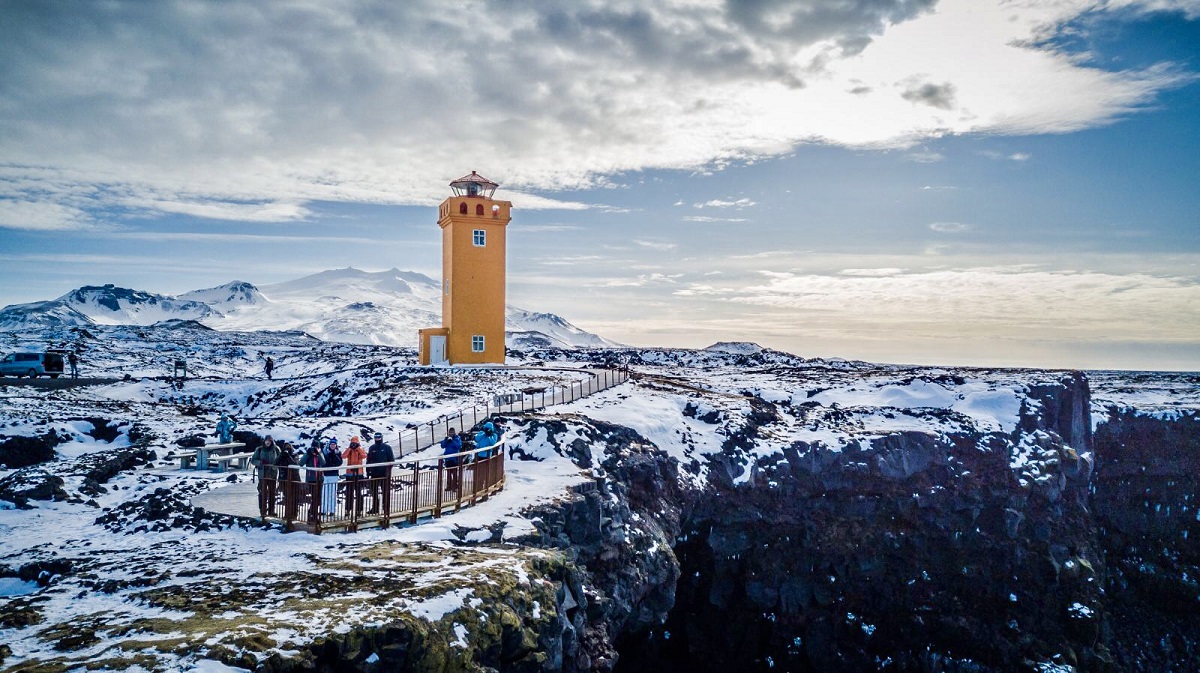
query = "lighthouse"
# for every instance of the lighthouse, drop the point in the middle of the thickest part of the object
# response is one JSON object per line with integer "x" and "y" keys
{"x": 473, "y": 225}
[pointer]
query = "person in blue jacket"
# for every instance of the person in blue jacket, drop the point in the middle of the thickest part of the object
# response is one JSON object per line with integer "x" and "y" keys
{"x": 484, "y": 438}
{"x": 452, "y": 444}
{"x": 225, "y": 428}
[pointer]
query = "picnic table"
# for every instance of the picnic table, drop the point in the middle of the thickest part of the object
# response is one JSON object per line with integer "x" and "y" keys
{"x": 204, "y": 452}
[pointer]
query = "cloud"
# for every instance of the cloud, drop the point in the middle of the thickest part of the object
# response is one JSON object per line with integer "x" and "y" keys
{"x": 42, "y": 216}
{"x": 721, "y": 203}
{"x": 1014, "y": 156}
{"x": 252, "y": 111}
{"x": 940, "y": 96}
{"x": 642, "y": 280}
{"x": 924, "y": 156}
{"x": 950, "y": 227}
{"x": 656, "y": 245}
{"x": 998, "y": 301}
{"x": 705, "y": 218}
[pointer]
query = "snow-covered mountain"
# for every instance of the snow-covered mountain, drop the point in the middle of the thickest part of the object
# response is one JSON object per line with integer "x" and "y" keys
{"x": 348, "y": 305}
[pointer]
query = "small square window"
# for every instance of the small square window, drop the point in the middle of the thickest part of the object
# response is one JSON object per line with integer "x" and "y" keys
{"x": 479, "y": 237}
{"x": 477, "y": 343}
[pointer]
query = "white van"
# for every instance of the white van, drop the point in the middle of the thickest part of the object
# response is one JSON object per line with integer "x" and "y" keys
{"x": 32, "y": 365}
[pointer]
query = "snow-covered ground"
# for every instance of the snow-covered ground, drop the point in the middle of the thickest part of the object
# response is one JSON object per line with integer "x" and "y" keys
{"x": 741, "y": 404}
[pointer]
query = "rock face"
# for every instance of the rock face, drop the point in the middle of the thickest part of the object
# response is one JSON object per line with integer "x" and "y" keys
{"x": 977, "y": 552}
{"x": 1146, "y": 495}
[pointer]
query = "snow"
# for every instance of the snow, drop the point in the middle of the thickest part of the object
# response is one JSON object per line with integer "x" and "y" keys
{"x": 440, "y": 606}
{"x": 15, "y": 586}
{"x": 765, "y": 400}
{"x": 342, "y": 305}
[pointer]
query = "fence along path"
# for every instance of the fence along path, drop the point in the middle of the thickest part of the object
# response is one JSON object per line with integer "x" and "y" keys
{"x": 412, "y": 440}
{"x": 302, "y": 499}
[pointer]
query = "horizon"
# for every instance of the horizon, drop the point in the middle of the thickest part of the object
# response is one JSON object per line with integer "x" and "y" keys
{"x": 953, "y": 183}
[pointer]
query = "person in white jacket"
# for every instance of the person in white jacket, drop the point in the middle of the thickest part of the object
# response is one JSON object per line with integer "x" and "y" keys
{"x": 329, "y": 480}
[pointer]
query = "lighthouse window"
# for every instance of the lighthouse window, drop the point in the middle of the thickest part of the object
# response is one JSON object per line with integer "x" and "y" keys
{"x": 479, "y": 237}
{"x": 462, "y": 208}
{"x": 477, "y": 343}
{"x": 479, "y": 209}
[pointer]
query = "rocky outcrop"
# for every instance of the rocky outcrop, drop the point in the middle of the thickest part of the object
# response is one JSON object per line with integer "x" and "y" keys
{"x": 18, "y": 452}
{"x": 1146, "y": 498}
{"x": 910, "y": 552}
{"x": 617, "y": 533}
{"x": 87, "y": 475}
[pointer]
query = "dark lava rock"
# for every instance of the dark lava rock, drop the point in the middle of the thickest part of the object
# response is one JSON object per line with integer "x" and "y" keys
{"x": 1146, "y": 500}
{"x": 32, "y": 483}
{"x": 909, "y": 553}
{"x": 18, "y": 452}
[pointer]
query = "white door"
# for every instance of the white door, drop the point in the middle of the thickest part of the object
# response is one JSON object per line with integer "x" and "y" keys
{"x": 437, "y": 350}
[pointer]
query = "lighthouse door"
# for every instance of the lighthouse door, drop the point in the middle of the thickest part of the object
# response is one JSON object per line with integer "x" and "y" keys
{"x": 437, "y": 350}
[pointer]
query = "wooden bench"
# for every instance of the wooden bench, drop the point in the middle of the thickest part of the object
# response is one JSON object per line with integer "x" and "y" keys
{"x": 221, "y": 463}
{"x": 186, "y": 458}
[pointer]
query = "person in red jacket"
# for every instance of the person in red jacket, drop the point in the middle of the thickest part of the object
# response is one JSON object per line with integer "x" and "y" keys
{"x": 354, "y": 456}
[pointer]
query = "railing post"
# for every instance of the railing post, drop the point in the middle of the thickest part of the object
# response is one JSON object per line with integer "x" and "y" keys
{"x": 416, "y": 487}
{"x": 437, "y": 508}
{"x": 462, "y": 466}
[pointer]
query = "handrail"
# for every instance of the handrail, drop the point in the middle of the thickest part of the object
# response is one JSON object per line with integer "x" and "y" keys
{"x": 408, "y": 491}
{"x": 427, "y": 434}
{"x": 393, "y": 463}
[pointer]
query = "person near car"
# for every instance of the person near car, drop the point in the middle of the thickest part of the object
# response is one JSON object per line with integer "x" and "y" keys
{"x": 73, "y": 359}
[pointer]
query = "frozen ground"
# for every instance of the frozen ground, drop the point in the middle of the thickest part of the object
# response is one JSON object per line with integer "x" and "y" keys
{"x": 168, "y": 595}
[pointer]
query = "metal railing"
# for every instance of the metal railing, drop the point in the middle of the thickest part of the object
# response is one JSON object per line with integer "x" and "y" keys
{"x": 429, "y": 433}
{"x": 346, "y": 498}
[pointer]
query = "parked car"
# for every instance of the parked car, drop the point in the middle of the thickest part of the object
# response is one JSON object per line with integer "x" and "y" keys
{"x": 33, "y": 365}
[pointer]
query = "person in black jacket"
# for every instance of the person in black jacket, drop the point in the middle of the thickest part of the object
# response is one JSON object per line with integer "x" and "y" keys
{"x": 380, "y": 476}
{"x": 289, "y": 478}
{"x": 314, "y": 458}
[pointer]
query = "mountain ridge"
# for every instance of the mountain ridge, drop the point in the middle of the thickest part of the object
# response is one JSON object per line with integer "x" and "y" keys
{"x": 342, "y": 305}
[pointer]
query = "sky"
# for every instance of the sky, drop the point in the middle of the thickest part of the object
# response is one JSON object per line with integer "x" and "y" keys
{"x": 977, "y": 182}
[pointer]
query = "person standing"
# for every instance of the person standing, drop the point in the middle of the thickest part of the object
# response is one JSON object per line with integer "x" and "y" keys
{"x": 451, "y": 444}
{"x": 264, "y": 459}
{"x": 270, "y": 366}
{"x": 484, "y": 438}
{"x": 354, "y": 456}
{"x": 73, "y": 359}
{"x": 314, "y": 459}
{"x": 380, "y": 475}
{"x": 225, "y": 428}
{"x": 289, "y": 474}
{"x": 329, "y": 479}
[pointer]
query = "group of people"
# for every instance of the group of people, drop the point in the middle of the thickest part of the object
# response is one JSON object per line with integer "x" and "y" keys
{"x": 452, "y": 446}
{"x": 278, "y": 462}
{"x": 364, "y": 475}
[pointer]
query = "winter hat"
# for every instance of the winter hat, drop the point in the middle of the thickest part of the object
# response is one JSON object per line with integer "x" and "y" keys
{"x": 354, "y": 441}
{"x": 489, "y": 427}
{"x": 333, "y": 441}
{"x": 378, "y": 435}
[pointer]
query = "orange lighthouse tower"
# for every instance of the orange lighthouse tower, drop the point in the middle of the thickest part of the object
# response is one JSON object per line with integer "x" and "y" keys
{"x": 473, "y": 276}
